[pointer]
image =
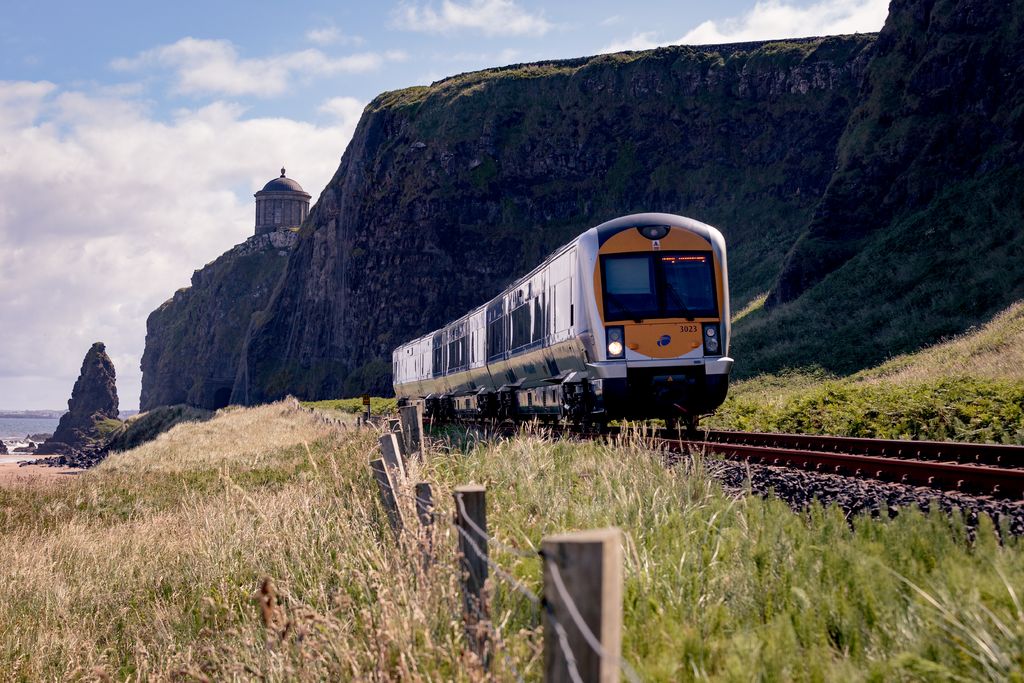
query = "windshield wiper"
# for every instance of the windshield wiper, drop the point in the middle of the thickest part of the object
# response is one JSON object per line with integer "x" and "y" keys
{"x": 623, "y": 307}
{"x": 686, "y": 311}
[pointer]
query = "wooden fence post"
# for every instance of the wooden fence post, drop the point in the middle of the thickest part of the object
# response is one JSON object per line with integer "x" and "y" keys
{"x": 583, "y": 582}
{"x": 471, "y": 506}
{"x": 425, "y": 513}
{"x": 392, "y": 454}
{"x": 412, "y": 430}
{"x": 387, "y": 495}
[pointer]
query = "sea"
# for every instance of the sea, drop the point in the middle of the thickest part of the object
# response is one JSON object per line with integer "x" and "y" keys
{"x": 13, "y": 431}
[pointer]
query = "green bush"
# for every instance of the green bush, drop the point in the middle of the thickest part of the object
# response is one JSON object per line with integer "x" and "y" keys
{"x": 378, "y": 406}
{"x": 956, "y": 408}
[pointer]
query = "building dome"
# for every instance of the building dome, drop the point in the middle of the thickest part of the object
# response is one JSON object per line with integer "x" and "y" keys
{"x": 282, "y": 184}
{"x": 281, "y": 203}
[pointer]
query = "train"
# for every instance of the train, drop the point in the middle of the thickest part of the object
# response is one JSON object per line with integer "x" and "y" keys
{"x": 628, "y": 321}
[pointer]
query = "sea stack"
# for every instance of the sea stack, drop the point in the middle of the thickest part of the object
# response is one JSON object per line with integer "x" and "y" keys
{"x": 93, "y": 399}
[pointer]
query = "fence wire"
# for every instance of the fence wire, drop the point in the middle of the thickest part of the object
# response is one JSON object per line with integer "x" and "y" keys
{"x": 561, "y": 635}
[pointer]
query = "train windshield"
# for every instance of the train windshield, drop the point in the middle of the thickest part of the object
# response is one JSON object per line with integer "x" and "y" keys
{"x": 672, "y": 285}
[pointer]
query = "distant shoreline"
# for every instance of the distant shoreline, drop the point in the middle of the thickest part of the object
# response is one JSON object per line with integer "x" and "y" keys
{"x": 32, "y": 415}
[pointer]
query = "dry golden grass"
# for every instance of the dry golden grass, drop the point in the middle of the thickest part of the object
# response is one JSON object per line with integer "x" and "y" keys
{"x": 147, "y": 567}
{"x": 253, "y": 547}
{"x": 994, "y": 351}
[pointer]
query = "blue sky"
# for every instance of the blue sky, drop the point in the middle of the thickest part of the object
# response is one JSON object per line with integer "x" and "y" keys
{"x": 132, "y": 135}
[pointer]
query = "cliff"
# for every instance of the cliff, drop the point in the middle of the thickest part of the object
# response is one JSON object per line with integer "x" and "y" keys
{"x": 918, "y": 236}
{"x": 194, "y": 340}
{"x": 447, "y": 192}
{"x": 93, "y": 401}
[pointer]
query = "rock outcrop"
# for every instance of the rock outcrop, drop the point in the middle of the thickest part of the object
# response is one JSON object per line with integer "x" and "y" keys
{"x": 194, "y": 340}
{"x": 3, "y": 448}
{"x": 93, "y": 400}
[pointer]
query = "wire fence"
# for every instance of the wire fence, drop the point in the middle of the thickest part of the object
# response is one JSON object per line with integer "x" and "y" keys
{"x": 575, "y": 652}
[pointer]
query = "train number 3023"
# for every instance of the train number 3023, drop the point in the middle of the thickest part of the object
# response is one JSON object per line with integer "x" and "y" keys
{"x": 687, "y": 328}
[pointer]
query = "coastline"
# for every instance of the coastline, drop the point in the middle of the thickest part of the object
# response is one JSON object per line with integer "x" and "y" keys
{"x": 11, "y": 473}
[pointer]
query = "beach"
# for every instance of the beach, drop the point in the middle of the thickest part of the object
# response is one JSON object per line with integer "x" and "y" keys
{"x": 11, "y": 473}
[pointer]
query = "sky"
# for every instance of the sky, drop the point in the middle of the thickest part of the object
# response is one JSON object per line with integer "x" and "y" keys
{"x": 133, "y": 135}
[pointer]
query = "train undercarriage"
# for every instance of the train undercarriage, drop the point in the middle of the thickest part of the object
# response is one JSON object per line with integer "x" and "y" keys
{"x": 679, "y": 396}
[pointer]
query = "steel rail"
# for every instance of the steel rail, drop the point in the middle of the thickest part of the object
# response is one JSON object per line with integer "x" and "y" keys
{"x": 986, "y": 469}
{"x": 955, "y": 451}
{"x": 981, "y": 479}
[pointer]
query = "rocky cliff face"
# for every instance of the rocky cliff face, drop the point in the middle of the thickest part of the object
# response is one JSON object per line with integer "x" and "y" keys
{"x": 447, "y": 192}
{"x": 93, "y": 399}
{"x": 942, "y": 104}
{"x": 918, "y": 236}
{"x": 194, "y": 340}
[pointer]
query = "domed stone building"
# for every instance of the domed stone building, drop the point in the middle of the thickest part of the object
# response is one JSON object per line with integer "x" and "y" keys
{"x": 282, "y": 203}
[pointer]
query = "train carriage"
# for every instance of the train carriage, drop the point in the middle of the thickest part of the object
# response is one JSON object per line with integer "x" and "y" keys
{"x": 629, "y": 320}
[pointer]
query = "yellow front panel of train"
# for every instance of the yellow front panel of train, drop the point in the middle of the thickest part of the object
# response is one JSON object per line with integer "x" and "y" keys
{"x": 663, "y": 339}
{"x": 669, "y": 337}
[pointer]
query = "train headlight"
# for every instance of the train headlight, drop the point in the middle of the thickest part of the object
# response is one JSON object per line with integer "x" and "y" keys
{"x": 712, "y": 343}
{"x": 616, "y": 338}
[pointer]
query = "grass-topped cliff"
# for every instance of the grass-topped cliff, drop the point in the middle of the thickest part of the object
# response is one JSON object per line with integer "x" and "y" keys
{"x": 150, "y": 567}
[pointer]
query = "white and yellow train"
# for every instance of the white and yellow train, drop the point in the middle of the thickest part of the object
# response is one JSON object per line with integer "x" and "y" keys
{"x": 629, "y": 320}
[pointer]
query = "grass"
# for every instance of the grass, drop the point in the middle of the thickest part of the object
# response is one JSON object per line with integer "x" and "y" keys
{"x": 152, "y": 566}
{"x": 378, "y": 405}
{"x": 970, "y": 388}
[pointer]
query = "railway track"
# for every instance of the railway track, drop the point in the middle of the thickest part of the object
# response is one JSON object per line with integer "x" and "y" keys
{"x": 979, "y": 469}
{"x": 984, "y": 469}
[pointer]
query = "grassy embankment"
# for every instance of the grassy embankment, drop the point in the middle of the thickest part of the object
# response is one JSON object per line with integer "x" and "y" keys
{"x": 146, "y": 568}
{"x": 968, "y": 389}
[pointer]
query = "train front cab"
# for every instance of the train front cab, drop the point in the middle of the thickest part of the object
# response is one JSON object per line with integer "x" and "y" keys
{"x": 662, "y": 300}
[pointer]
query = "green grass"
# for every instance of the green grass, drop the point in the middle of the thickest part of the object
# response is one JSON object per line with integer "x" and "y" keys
{"x": 146, "y": 568}
{"x": 147, "y": 426}
{"x": 107, "y": 427}
{"x": 960, "y": 409}
{"x": 970, "y": 388}
{"x": 378, "y": 405}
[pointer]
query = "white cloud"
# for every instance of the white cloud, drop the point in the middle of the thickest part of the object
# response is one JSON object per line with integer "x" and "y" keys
{"x": 490, "y": 17}
{"x": 343, "y": 108}
{"x": 637, "y": 41}
{"x": 770, "y": 19}
{"x": 21, "y": 101}
{"x": 105, "y": 212}
{"x": 777, "y": 19}
{"x": 331, "y": 35}
{"x": 214, "y": 66}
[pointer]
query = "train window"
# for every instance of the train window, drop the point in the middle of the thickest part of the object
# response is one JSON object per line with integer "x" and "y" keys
{"x": 538, "y": 318}
{"x": 496, "y": 337}
{"x": 520, "y": 326}
{"x": 629, "y": 288}
{"x": 672, "y": 285}
{"x": 687, "y": 285}
{"x": 438, "y": 355}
